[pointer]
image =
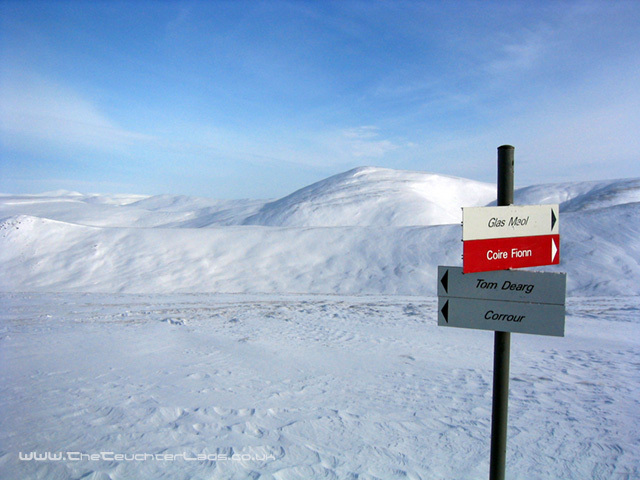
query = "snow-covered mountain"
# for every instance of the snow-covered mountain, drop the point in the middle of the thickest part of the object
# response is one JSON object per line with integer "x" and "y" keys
{"x": 368, "y": 196}
{"x": 580, "y": 196}
{"x": 368, "y": 230}
{"x": 159, "y": 211}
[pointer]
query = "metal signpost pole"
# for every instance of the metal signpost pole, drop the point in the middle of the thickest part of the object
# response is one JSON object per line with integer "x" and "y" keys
{"x": 502, "y": 340}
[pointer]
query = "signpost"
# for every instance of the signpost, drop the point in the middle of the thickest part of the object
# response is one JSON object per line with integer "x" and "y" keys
{"x": 484, "y": 294}
{"x": 499, "y": 238}
{"x": 507, "y": 301}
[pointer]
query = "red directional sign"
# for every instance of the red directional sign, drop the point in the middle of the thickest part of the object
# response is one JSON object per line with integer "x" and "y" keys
{"x": 504, "y": 253}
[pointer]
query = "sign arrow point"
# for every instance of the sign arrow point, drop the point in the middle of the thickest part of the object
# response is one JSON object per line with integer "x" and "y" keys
{"x": 445, "y": 281}
{"x": 554, "y": 250}
{"x": 445, "y": 311}
{"x": 553, "y": 219}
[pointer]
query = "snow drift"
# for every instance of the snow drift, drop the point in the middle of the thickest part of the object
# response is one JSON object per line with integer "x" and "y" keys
{"x": 366, "y": 231}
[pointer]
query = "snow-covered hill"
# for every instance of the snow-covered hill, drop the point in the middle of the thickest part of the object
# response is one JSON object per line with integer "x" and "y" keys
{"x": 370, "y": 196}
{"x": 579, "y": 196}
{"x": 368, "y": 230}
{"x": 165, "y": 211}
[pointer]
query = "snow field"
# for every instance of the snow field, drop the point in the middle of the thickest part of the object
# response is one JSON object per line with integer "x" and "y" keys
{"x": 308, "y": 387}
{"x": 190, "y": 338}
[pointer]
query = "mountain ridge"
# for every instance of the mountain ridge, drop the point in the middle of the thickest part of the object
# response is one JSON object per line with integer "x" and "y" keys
{"x": 110, "y": 244}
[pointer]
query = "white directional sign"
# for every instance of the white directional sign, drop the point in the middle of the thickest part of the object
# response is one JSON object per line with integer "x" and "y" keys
{"x": 479, "y": 223}
{"x": 505, "y": 300}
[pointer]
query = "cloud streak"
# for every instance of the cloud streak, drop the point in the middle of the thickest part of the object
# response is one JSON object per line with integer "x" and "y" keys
{"x": 521, "y": 54}
{"x": 364, "y": 142}
{"x": 34, "y": 110}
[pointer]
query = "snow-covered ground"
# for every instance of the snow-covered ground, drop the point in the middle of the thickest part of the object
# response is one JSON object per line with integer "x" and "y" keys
{"x": 190, "y": 338}
{"x": 293, "y": 387}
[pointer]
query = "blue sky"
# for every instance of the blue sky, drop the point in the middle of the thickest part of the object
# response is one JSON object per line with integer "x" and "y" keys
{"x": 234, "y": 99}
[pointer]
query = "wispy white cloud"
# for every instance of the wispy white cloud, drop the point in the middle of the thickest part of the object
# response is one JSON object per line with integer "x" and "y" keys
{"x": 364, "y": 142}
{"x": 521, "y": 53}
{"x": 34, "y": 110}
{"x": 589, "y": 132}
{"x": 305, "y": 148}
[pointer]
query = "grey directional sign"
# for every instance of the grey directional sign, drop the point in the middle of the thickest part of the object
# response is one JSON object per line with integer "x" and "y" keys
{"x": 509, "y": 285}
{"x": 515, "y": 317}
{"x": 505, "y": 300}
